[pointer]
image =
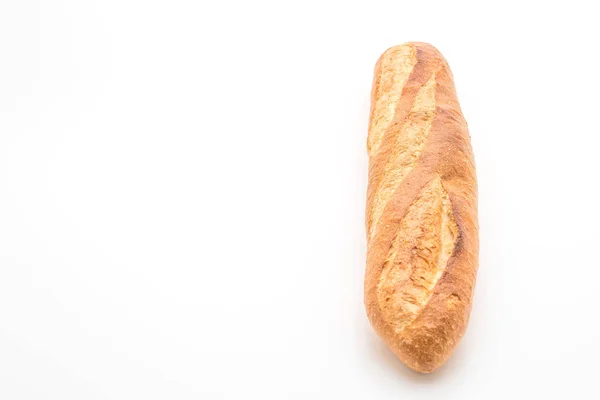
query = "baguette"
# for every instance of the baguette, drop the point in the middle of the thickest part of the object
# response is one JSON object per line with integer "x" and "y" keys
{"x": 421, "y": 216}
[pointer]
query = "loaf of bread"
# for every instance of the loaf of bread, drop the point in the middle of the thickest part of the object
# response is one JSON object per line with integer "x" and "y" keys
{"x": 421, "y": 215}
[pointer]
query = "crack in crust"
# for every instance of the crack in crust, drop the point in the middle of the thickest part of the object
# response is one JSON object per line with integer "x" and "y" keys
{"x": 418, "y": 256}
{"x": 410, "y": 140}
{"x": 396, "y": 67}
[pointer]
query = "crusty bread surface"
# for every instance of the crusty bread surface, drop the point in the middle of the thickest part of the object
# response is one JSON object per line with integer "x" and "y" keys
{"x": 421, "y": 216}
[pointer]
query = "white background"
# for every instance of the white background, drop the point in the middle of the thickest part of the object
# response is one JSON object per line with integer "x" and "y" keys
{"x": 182, "y": 192}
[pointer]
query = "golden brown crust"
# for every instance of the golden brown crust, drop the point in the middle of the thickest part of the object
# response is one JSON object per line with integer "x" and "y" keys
{"x": 421, "y": 214}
